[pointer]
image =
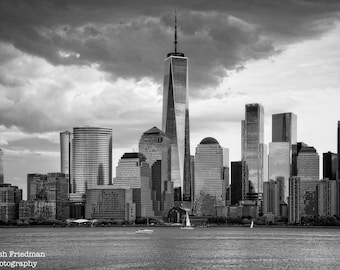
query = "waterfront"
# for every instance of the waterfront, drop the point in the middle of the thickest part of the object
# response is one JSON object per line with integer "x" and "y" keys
{"x": 173, "y": 248}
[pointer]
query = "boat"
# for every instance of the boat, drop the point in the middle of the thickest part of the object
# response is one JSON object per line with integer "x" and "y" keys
{"x": 145, "y": 231}
{"x": 187, "y": 222}
{"x": 251, "y": 224}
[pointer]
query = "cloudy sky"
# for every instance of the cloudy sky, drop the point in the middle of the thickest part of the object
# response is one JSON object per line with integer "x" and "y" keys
{"x": 100, "y": 63}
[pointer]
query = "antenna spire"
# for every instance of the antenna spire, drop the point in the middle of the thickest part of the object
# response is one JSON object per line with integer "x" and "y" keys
{"x": 175, "y": 31}
{"x": 176, "y": 53}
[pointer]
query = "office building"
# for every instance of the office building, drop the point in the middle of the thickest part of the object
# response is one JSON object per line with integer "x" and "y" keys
{"x": 10, "y": 197}
{"x": 1, "y": 166}
{"x": 308, "y": 172}
{"x": 284, "y": 128}
{"x": 133, "y": 172}
{"x": 294, "y": 200}
{"x": 272, "y": 192}
{"x": 92, "y": 160}
{"x": 236, "y": 182}
{"x": 253, "y": 151}
{"x": 175, "y": 123}
{"x": 107, "y": 203}
{"x": 155, "y": 146}
{"x": 47, "y": 197}
{"x": 57, "y": 192}
{"x": 36, "y": 184}
{"x": 210, "y": 187}
{"x": 66, "y": 154}
{"x": 330, "y": 165}
{"x": 280, "y": 164}
{"x": 327, "y": 198}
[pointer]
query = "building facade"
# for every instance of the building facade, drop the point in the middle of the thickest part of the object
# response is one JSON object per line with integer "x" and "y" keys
{"x": 133, "y": 172}
{"x": 272, "y": 191}
{"x": 155, "y": 146}
{"x": 280, "y": 164}
{"x": 330, "y": 165}
{"x": 10, "y": 197}
{"x": 92, "y": 160}
{"x": 210, "y": 186}
{"x": 284, "y": 128}
{"x": 327, "y": 197}
{"x": 66, "y": 154}
{"x": 175, "y": 123}
{"x": 294, "y": 200}
{"x": 107, "y": 203}
{"x": 253, "y": 150}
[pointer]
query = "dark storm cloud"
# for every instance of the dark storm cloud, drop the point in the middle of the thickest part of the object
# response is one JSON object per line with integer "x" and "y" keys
{"x": 130, "y": 38}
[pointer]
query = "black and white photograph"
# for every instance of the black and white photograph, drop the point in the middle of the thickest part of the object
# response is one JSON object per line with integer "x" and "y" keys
{"x": 157, "y": 134}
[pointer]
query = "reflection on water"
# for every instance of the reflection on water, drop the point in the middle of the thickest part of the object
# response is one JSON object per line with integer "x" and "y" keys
{"x": 172, "y": 248}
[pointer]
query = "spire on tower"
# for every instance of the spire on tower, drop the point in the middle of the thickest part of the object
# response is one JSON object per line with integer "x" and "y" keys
{"x": 175, "y": 31}
{"x": 175, "y": 53}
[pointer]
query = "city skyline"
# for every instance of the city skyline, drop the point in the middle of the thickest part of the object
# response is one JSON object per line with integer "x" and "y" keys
{"x": 82, "y": 65}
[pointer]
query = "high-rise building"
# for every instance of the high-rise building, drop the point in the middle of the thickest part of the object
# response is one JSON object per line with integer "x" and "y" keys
{"x": 294, "y": 200}
{"x": 1, "y": 166}
{"x": 236, "y": 182}
{"x": 57, "y": 192}
{"x": 36, "y": 184}
{"x": 175, "y": 122}
{"x": 284, "y": 133}
{"x": 327, "y": 197}
{"x": 280, "y": 164}
{"x": 254, "y": 150}
{"x": 210, "y": 187}
{"x": 284, "y": 128}
{"x": 107, "y": 203}
{"x": 10, "y": 197}
{"x": 133, "y": 172}
{"x": 272, "y": 197}
{"x": 92, "y": 160}
{"x": 330, "y": 165}
{"x": 155, "y": 146}
{"x": 308, "y": 172}
{"x": 66, "y": 154}
{"x": 308, "y": 164}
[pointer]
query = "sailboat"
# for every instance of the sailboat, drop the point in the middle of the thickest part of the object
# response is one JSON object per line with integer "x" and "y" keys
{"x": 187, "y": 222}
{"x": 251, "y": 224}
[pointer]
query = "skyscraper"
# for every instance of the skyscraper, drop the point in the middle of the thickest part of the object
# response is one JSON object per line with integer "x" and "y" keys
{"x": 236, "y": 182}
{"x": 253, "y": 149}
{"x": 284, "y": 128}
{"x": 330, "y": 165}
{"x": 155, "y": 146}
{"x": 65, "y": 152}
{"x": 133, "y": 172}
{"x": 92, "y": 160}
{"x": 308, "y": 172}
{"x": 284, "y": 133}
{"x": 210, "y": 186}
{"x": 175, "y": 122}
{"x": 280, "y": 164}
{"x": 1, "y": 166}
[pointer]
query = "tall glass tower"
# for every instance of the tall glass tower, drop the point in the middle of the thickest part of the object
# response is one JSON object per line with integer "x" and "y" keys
{"x": 253, "y": 150}
{"x": 175, "y": 121}
{"x": 66, "y": 154}
{"x": 92, "y": 160}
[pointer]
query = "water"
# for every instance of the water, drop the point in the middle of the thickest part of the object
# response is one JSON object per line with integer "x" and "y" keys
{"x": 173, "y": 248}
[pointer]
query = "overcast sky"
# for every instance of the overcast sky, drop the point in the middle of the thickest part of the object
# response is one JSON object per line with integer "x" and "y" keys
{"x": 100, "y": 63}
